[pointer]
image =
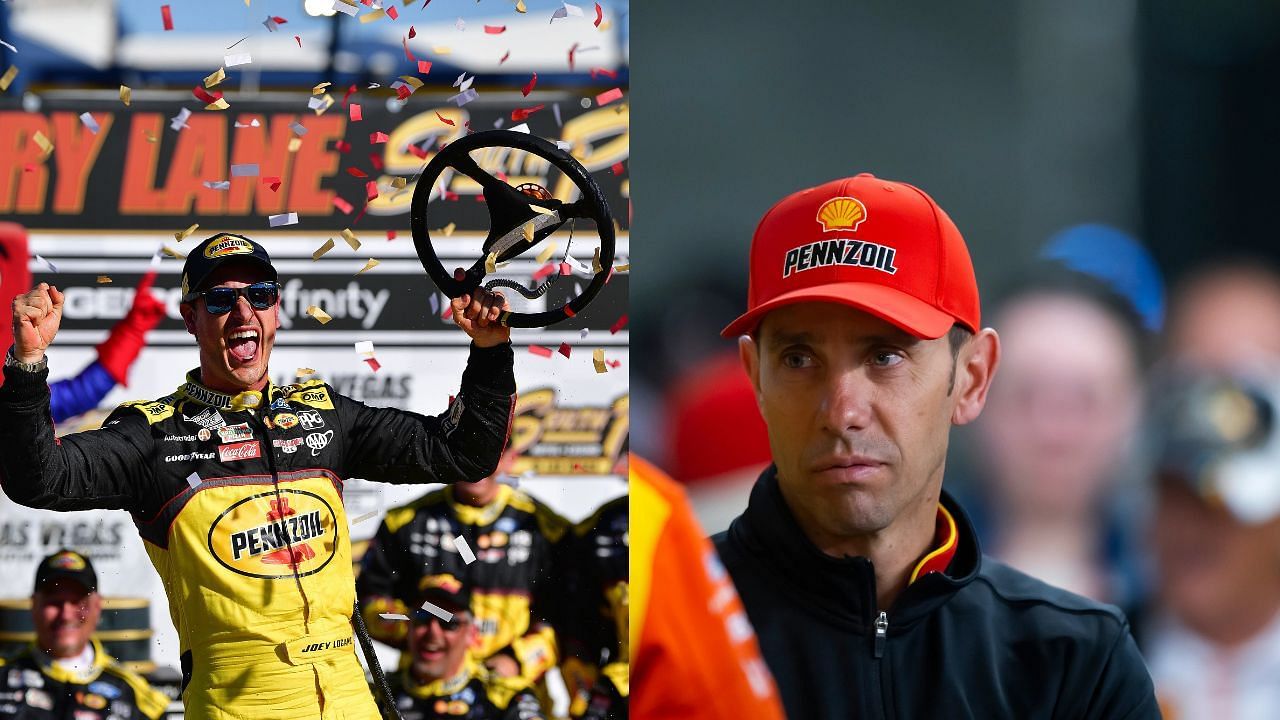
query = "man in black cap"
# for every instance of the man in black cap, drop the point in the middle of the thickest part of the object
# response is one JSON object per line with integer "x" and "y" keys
{"x": 65, "y": 673}
{"x": 444, "y": 680}
{"x": 236, "y": 483}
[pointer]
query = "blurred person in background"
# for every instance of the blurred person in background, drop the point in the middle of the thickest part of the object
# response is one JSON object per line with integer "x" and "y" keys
{"x": 444, "y": 680}
{"x": 1214, "y": 645}
{"x": 83, "y": 392}
{"x": 593, "y": 612}
{"x": 515, "y": 539}
{"x": 694, "y": 653}
{"x": 65, "y": 674}
{"x": 1059, "y": 433}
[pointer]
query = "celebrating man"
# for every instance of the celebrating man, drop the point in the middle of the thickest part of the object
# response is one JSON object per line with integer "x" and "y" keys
{"x": 235, "y": 483}
{"x": 862, "y": 577}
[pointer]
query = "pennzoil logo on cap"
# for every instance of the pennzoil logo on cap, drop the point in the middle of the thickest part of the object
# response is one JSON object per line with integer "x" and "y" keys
{"x": 67, "y": 561}
{"x": 446, "y": 582}
{"x": 854, "y": 253}
{"x": 228, "y": 245}
{"x": 841, "y": 213}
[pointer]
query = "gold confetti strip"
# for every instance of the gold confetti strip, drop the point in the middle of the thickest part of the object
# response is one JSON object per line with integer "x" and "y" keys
{"x": 371, "y": 16}
{"x": 542, "y": 210}
{"x": 320, "y": 88}
{"x": 172, "y": 253}
{"x": 597, "y": 359}
{"x": 351, "y": 238}
{"x": 303, "y": 372}
{"x": 215, "y": 78}
{"x": 520, "y": 7}
{"x": 294, "y": 144}
{"x": 623, "y": 267}
{"x": 546, "y": 253}
{"x": 103, "y": 279}
{"x": 528, "y": 232}
{"x": 150, "y": 138}
{"x": 366, "y": 516}
{"x": 368, "y": 266}
{"x": 326, "y": 247}
{"x": 596, "y": 267}
{"x": 399, "y": 183}
{"x": 490, "y": 263}
{"x": 184, "y": 234}
{"x": 411, "y": 80}
{"x": 441, "y": 49}
{"x": 318, "y": 314}
{"x": 219, "y": 104}
{"x": 448, "y": 229}
{"x": 126, "y": 94}
{"x": 46, "y": 147}
{"x": 8, "y": 77}
{"x": 325, "y": 104}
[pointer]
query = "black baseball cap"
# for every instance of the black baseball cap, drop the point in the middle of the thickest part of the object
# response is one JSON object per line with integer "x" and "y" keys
{"x": 68, "y": 565}
{"x": 214, "y": 251}
{"x": 444, "y": 591}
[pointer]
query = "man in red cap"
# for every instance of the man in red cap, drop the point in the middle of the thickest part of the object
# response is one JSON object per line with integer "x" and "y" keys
{"x": 862, "y": 577}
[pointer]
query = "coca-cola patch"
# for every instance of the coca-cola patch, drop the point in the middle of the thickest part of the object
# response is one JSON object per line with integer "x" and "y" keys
{"x": 239, "y": 451}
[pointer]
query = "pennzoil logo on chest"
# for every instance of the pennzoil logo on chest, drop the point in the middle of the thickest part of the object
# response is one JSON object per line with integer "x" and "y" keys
{"x": 268, "y": 535}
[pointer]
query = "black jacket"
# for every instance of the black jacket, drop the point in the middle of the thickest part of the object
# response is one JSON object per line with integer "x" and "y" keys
{"x": 31, "y": 688}
{"x": 980, "y": 641}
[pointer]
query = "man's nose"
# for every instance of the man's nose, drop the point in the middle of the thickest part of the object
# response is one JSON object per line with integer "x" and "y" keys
{"x": 242, "y": 310}
{"x": 69, "y": 610}
{"x": 846, "y": 400}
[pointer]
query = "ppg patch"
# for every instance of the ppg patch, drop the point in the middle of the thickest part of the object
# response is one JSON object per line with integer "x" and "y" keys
{"x": 450, "y": 422}
{"x": 825, "y": 253}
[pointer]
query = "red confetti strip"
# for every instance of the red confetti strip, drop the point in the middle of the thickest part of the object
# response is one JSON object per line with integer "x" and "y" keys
{"x": 205, "y": 96}
{"x": 618, "y": 168}
{"x": 373, "y": 362}
{"x": 167, "y": 17}
{"x": 392, "y": 12}
{"x": 375, "y": 160}
{"x": 272, "y": 182}
{"x": 543, "y": 271}
{"x": 342, "y": 146}
{"x": 495, "y": 29}
{"x": 599, "y": 14}
{"x": 391, "y": 235}
{"x": 621, "y": 323}
{"x": 403, "y": 92}
{"x": 565, "y": 269}
{"x": 528, "y": 87}
{"x": 357, "y": 172}
{"x": 540, "y": 351}
{"x": 608, "y": 96}
{"x": 522, "y": 113}
{"x": 378, "y": 137}
{"x": 601, "y": 71}
{"x": 572, "y": 50}
{"x": 565, "y": 349}
{"x": 407, "y": 52}
{"x": 419, "y": 152}
{"x": 356, "y": 114}
{"x": 412, "y": 33}
{"x": 569, "y": 311}
{"x": 424, "y": 66}
{"x": 278, "y": 20}
{"x": 360, "y": 214}
{"x": 350, "y": 91}
{"x": 451, "y": 196}
{"x": 615, "y": 364}
{"x": 371, "y": 190}
{"x": 505, "y": 55}
{"x": 448, "y": 310}
{"x": 342, "y": 205}
{"x": 299, "y": 39}
{"x": 446, "y": 121}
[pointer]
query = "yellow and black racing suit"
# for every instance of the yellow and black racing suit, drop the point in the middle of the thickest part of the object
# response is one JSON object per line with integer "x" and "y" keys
{"x": 515, "y": 540}
{"x": 473, "y": 694}
{"x": 33, "y": 688}
{"x": 239, "y": 500}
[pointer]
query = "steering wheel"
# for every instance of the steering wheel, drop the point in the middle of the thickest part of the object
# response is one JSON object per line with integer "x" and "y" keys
{"x": 510, "y": 212}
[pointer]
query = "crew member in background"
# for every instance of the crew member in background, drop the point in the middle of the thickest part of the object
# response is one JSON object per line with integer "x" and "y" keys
{"x": 444, "y": 680}
{"x": 592, "y": 625}
{"x": 65, "y": 673}
{"x": 83, "y": 392}
{"x": 514, "y": 539}
{"x": 693, "y": 652}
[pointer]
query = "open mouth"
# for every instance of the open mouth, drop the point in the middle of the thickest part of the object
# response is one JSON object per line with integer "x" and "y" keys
{"x": 243, "y": 345}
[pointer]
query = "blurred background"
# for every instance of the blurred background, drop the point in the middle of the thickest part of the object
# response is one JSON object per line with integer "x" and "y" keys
{"x": 1111, "y": 166}
{"x": 132, "y": 129}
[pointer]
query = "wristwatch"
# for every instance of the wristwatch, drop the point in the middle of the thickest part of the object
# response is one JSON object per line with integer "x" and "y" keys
{"x": 11, "y": 361}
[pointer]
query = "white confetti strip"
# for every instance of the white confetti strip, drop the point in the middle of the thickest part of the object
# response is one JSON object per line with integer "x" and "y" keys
{"x": 522, "y": 127}
{"x": 463, "y": 98}
{"x": 218, "y": 184}
{"x": 14, "y": 49}
{"x": 316, "y": 102}
{"x": 458, "y": 82}
{"x": 393, "y": 616}
{"x": 438, "y": 611}
{"x": 40, "y": 259}
{"x": 344, "y": 8}
{"x": 464, "y": 550}
{"x": 179, "y": 121}
{"x": 555, "y": 110}
{"x": 365, "y": 347}
{"x": 234, "y": 59}
{"x": 194, "y": 479}
{"x": 252, "y": 123}
{"x": 244, "y": 170}
{"x": 283, "y": 219}
{"x": 466, "y": 84}
{"x": 366, "y": 516}
{"x": 582, "y": 334}
{"x": 297, "y": 128}
{"x": 460, "y": 24}
{"x": 90, "y": 123}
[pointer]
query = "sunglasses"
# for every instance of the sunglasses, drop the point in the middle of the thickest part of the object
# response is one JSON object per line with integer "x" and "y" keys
{"x": 220, "y": 300}
{"x": 422, "y": 617}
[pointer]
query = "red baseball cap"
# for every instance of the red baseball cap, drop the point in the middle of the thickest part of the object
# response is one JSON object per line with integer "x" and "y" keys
{"x": 880, "y": 246}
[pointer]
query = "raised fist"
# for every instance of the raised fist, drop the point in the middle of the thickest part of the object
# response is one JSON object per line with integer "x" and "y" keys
{"x": 36, "y": 317}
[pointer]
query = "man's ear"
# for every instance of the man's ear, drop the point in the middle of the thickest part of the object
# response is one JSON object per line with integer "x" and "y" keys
{"x": 188, "y": 316}
{"x": 749, "y": 353}
{"x": 975, "y": 367}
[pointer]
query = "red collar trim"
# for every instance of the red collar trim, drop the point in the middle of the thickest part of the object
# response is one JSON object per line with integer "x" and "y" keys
{"x": 946, "y": 539}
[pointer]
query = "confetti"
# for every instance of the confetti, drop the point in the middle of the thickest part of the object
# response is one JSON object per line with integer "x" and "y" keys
{"x": 608, "y": 96}
{"x": 504, "y": 57}
{"x": 599, "y": 14}
{"x": 326, "y": 247}
{"x": 252, "y": 123}
{"x": 126, "y": 94}
{"x": 368, "y": 266}
{"x": 299, "y": 39}
{"x": 184, "y": 234}
{"x": 378, "y": 137}
{"x": 303, "y": 372}
{"x": 528, "y": 87}
{"x": 294, "y": 144}
{"x": 320, "y": 104}
{"x": 8, "y": 77}
{"x": 218, "y": 184}
{"x": 215, "y": 78}
{"x": 565, "y": 349}
{"x": 597, "y": 359}
{"x": 438, "y": 611}
{"x": 344, "y": 8}
{"x": 520, "y": 7}
{"x": 623, "y": 267}
{"x": 445, "y": 120}
{"x": 365, "y": 348}
{"x": 595, "y": 262}
{"x": 297, "y": 128}
{"x": 464, "y": 550}
{"x": 244, "y": 170}
{"x": 204, "y": 96}
{"x": 320, "y": 88}
{"x": 448, "y": 229}
{"x": 520, "y": 114}
{"x": 618, "y": 325}
{"x": 238, "y": 59}
{"x": 391, "y": 234}
{"x": 40, "y": 259}
{"x": 179, "y": 121}
{"x": 167, "y": 17}
{"x": 342, "y": 205}
{"x": 103, "y": 279}
{"x": 283, "y": 219}
{"x": 357, "y": 172}
{"x": 495, "y": 29}
{"x": 370, "y": 17}
{"x": 89, "y": 122}
{"x": 540, "y": 351}
{"x": 356, "y": 115}
{"x": 424, "y": 66}
{"x": 172, "y": 253}
{"x": 582, "y": 334}
{"x": 528, "y": 231}
{"x": 272, "y": 182}
{"x": 46, "y": 147}
{"x": 393, "y": 616}
{"x": 367, "y": 516}
{"x": 491, "y": 263}
{"x": 351, "y": 238}
{"x": 194, "y": 478}
{"x": 464, "y": 97}
{"x": 547, "y": 251}
{"x": 12, "y": 48}
{"x": 460, "y": 24}
{"x": 318, "y": 314}
{"x": 371, "y": 190}
{"x": 521, "y": 128}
